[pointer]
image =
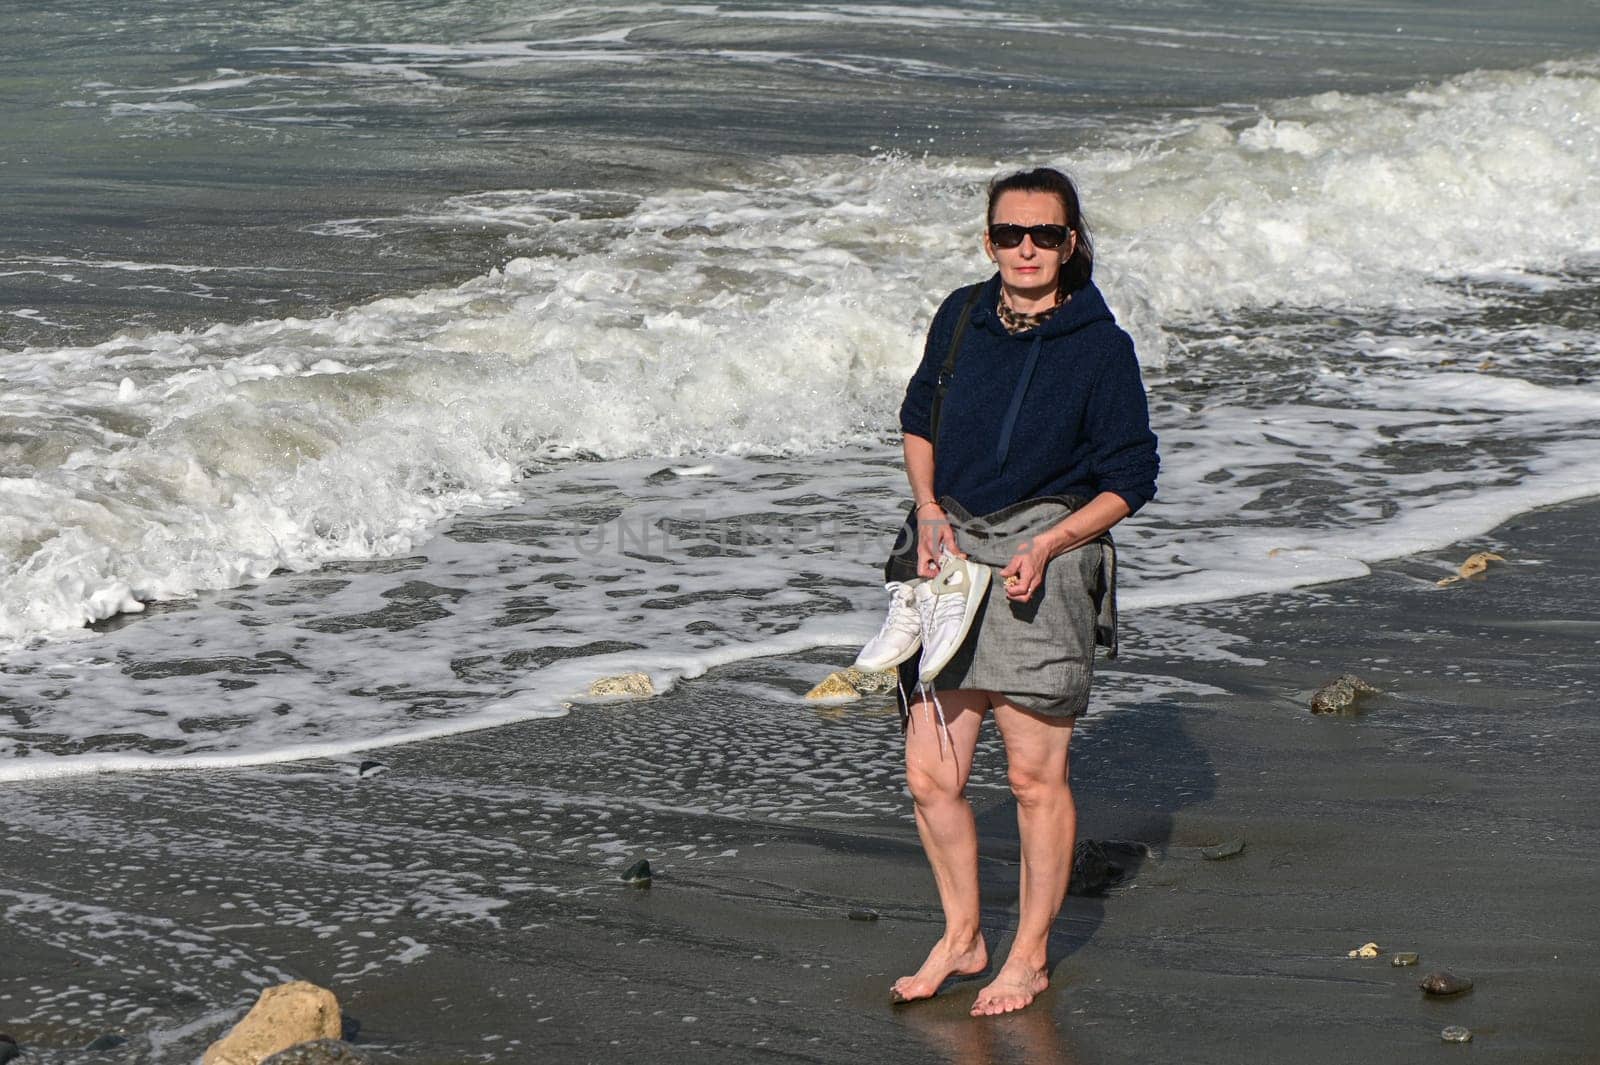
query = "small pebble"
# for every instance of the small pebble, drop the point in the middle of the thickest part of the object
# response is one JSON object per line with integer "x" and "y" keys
{"x": 628, "y": 685}
{"x": 1444, "y": 982}
{"x": 870, "y": 683}
{"x": 1404, "y": 958}
{"x": 1456, "y": 1034}
{"x": 1093, "y": 871}
{"x": 863, "y": 915}
{"x": 370, "y": 768}
{"x": 1366, "y": 950}
{"x": 1222, "y": 850}
{"x": 834, "y": 686}
{"x": 107, "y": 1042}
{"x": 1340, "y": 695}
{"x": 638, "y": 873}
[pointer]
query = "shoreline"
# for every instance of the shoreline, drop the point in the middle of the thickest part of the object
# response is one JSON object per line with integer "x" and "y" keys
{"x": 553, "y": 696}
{"x": 474, "y": 883}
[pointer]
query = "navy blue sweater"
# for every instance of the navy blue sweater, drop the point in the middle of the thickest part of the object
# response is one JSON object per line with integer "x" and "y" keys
{"x": 1082, "y": 427}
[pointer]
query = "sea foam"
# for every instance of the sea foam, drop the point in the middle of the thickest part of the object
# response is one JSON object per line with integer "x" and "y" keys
{"x": 778, "y": 314}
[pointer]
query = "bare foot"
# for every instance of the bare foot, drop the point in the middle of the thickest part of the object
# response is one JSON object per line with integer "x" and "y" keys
{"x": 944, "y": 961}
{"x": 1014, "y": 988}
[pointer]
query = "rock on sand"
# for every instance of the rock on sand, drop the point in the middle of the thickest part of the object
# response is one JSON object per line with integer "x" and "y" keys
{"x": 852, "y": 683}
{"x": 627, "y": 685}
{"x": 1340, "y": 695}
{"x": 1475, "y": 566}
{"x": 283, "y": 1017}
{"x": 1093, "y": 871}
{"x": 1444, "y": 982}
{"x": 834, "y": 686}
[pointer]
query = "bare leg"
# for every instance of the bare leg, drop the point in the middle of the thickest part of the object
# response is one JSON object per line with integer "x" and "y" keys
{"x": 938, "y": 780}
{"x": 1047, "y": 821}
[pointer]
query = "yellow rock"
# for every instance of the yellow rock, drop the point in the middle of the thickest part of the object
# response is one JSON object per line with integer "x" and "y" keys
{"x": 867, "y": 682}
{"x": 284, "y": 1016}
{"x": 834, "y": 686}
{"x": 1367, "y": 950}
{"x": 1472, "y": 567}
{"x": 628, "y": 685}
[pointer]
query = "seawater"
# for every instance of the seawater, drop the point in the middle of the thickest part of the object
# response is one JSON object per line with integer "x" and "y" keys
{"x": 462, "y": 357}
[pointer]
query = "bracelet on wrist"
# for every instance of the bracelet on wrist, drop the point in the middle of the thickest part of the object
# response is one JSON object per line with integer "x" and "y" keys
{"x": 925, "y": 503}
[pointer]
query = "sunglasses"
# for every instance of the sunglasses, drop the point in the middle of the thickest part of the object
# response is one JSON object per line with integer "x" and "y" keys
{"x": 1009, "y": 235}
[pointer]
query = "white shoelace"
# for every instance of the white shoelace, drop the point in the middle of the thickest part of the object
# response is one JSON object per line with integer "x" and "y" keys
{"x": 903, "y": 615}
{"x": 946, "y": 607}
{"x": 932, "y": 694}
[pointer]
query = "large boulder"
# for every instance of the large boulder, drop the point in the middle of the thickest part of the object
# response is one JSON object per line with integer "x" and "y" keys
{"x": 284, "y": 1016}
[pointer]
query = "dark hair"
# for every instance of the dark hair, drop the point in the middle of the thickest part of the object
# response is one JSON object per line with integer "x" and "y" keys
{"x": 1076, "y": 271}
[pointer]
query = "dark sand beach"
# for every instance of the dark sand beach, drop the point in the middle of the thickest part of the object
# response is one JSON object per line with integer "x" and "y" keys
{"x": 464, "y": 904}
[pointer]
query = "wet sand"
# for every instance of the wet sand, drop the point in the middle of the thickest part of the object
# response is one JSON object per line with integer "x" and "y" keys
{"x": 464, "y": 904}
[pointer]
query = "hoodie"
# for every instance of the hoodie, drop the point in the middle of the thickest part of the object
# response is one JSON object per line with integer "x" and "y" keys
{"x": 1078, "y": 426}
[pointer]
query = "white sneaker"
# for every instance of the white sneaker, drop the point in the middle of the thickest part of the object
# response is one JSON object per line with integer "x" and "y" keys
{"x": 901, "y": 634}
{"x": 946, "y": 606}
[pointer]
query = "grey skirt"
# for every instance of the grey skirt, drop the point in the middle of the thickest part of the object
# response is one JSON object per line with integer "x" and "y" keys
{"x": 1038, "y": 654}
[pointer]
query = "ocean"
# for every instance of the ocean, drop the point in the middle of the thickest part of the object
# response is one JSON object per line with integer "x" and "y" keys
{"x": 372, "y": 372}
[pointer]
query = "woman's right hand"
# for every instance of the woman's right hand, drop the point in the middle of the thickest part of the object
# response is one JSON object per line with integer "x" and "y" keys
{"x": 935, "y": 537}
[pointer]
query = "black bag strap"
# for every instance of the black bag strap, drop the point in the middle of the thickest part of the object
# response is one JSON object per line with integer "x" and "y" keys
{"x": 902, "y": 563}
{"x": 949, "y": 368}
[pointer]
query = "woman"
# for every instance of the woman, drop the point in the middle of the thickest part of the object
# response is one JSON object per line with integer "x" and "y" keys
{"x": 1042, "y": 429}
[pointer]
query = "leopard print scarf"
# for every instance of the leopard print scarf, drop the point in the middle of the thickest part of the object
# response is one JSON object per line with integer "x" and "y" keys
{"x": 1017, "y": 322}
